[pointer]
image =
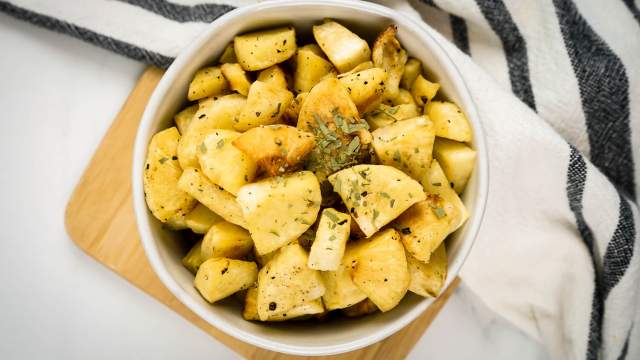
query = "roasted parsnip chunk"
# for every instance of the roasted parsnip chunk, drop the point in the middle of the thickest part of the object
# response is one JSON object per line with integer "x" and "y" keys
{"x": 250, "y": 310}
{"x": 225, "y": 239}
{"x": 344, "y": 48}
{"x": 311, "y": 68}
{"x": 386, "y": 115}
{"x": 184, "y": 117}
{"x": 389, "y": 55}
{"x": 223, "y": 163}
{"x": 286, "y": 282}
{"x": 404, "y": 97}
{"x": 211, "y": 195}
{"x": 218, "y": 278}
{"x": 427, "y": 279}
{"x": 366, "y": 88}
{"x": 266, "y": 103}
{"x": 276, "y": 149}
{"x": 379, "y": 268}
{"x": 273, "y": 75}
{"x": 193, "y": 259}
{"x": 279, "y": 209}
{"x": 200, "y": 219}
{"x": 261, "y": 49}
{"x": 423, "y": 90}
{"x": 237, "y": 78}
{"x": 228, "y": 55}
{"x": 375, "y": 194}
{"x": 212, "y": 114}
{"x": 161, "y": 174}
{"x": 207, "y": 82}
{"x": 450, "y": 122}
{"x": 331, "y": 238}
{"x": 291, "y": 114}
{"x": 457, "y": 161}
{"x": 329, "y": 113}
{"x": 435, "y": 182}
{"x": 412, "y": 69}
{"x": 425, "y": 225}
{"x": 341, "y": 292}
{"x": 406, "y": 145}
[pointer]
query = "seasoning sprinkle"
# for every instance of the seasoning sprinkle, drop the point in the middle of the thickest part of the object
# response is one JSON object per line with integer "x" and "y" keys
{"x": 331, "y": 216}
{"x": 439, "y": 212}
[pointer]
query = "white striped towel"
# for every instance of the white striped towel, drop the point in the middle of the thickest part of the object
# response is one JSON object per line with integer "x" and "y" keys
{"x": 555, "y": 83}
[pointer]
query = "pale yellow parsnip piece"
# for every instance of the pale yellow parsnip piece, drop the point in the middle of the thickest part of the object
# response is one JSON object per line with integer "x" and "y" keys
{"x": 212, "y": 114}
{"x": 195, "y": 183}
{"x": 331, "y": 238}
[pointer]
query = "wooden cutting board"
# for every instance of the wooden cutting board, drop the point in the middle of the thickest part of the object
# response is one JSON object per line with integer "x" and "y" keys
{"x": 100, "y": 220}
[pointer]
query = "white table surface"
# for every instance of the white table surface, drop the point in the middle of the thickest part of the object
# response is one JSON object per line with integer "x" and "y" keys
{"x": 58, "y": 96}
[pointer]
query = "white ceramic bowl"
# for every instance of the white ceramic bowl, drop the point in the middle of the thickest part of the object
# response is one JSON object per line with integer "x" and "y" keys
{"x": 165, "y": 251}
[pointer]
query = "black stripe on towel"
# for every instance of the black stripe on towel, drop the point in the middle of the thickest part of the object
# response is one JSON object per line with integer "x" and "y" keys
{"x": 625, "y": 347}
{"x": 182, "y": 13}
{"x": 460, "y": 33}
{"x": 430, "y": 3}
{"x": 633, "y": 8}
{"x": 604, "y": 90}
{"x": 87, "y": 35}
{"x": 576, "y": 179}
{"x": 619, "y": 250}
{"x": 514, "y": 46}
{"x": 458, "y": 28}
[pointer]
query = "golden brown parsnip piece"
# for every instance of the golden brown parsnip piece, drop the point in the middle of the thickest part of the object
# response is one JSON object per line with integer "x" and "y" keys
{"x": 200, "y": 219}
{"x": 311, "y": 68}
{"x": 223, "y": 163}
{"x": 161, "y": 174}
{"x": 389, "y": 55}
{"x": 423, "y": 90}
{"x": 425, "y": 225}
{"x": 341, "y": 136}
{"x": 225, "y": 239}
{"x": 273, "y": 75}
{"x": 366, "y": 87}
{"x": 279, "y": 209}
{"x": 330, "y": 241}
{"x": 344, "y": 48}
{"x": 195, "y": 183}
{"x": 380, "y": 269}
{"x": 237, "y": 78}
{"x": 375, "y": 194}
{"x": 228, "y": 55}
{"x": 213, "y": 113}
{"x": 266, "y": 103}
{"x": 207, "y": 82}
{"x": 218, "y": 278}
{"x": 184, "y": 117}
{"x": 193, "y": 259}
{"x": 449, "y": 120}
{"x": 276, "y": 149}
{"x": 286, "y": 282}
{"x": 261, "y": 49}
{"x": 427, "y": 279}
{"x": 457, "y": 160}
{"x": 412, "y": 69}
{"x": 406, "y": 145}
{"x": 386, "y": 115}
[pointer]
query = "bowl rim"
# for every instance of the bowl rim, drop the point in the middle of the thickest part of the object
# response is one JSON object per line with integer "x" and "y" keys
{"x": 140, "y": 149}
